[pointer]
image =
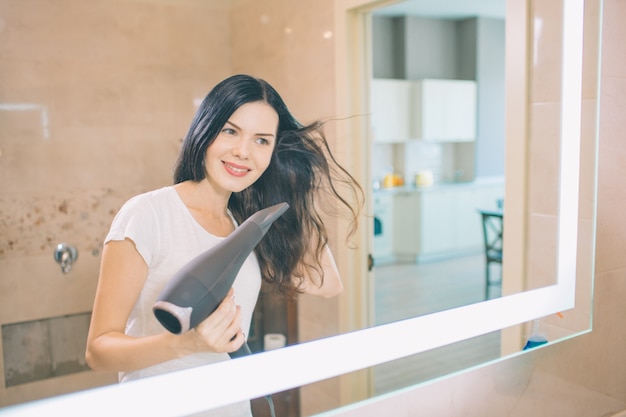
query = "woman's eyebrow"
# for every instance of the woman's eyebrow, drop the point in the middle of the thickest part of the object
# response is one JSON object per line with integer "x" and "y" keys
{"x": 258, "y": 134}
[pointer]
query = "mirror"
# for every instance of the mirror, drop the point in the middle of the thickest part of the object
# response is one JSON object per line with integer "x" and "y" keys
{"x": 535, "y": 265}
{"x": 429, "y": 249}
{"x": 329, "y": 357}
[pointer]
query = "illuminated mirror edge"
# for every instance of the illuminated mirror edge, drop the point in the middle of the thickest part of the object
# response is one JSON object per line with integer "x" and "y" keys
{"x": 248, "y": 377}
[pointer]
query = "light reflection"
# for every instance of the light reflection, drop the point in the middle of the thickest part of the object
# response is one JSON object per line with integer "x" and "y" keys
{"x": 538, "y": 24}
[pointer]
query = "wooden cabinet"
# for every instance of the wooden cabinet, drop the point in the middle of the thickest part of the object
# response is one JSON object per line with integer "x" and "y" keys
{"x": 430, "y": 109}
{"x": 441, "y": 222}
{"x": 445, "y": 110}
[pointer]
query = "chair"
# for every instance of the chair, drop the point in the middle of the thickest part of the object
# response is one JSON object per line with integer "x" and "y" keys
{"x": 492, "y": 234}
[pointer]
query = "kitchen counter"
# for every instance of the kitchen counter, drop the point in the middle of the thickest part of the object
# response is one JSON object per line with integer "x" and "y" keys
{"x": 479, "y": 182}
{"x": 434, "y": 222}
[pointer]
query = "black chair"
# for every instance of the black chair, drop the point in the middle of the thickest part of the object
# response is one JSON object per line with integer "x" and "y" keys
{"x": 492, "y": 234}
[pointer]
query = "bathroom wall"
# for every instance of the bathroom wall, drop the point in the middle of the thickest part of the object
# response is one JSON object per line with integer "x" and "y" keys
{"x": 585, "y": 376}
{"x": 290, "y": 43}
{"x": 117, "y": 85}
{"x": 94, "y": 100}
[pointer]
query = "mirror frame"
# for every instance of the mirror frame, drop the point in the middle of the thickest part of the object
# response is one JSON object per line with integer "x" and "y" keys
{"x": 184, "y": 392}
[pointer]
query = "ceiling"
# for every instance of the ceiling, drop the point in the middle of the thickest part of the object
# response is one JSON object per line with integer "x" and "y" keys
{"x": 452, "y": 9}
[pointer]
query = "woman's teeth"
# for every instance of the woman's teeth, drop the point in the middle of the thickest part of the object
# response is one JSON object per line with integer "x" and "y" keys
{"x": 236, "y": 169}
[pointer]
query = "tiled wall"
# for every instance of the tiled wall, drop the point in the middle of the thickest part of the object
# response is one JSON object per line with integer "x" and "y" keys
{"x": 94, "y": 100}
{"x": 118, "y": 80}
{"x": 106, "y": 90}
{"x": 545, "y": 133}
{"x": 290, "y": 43}
{"x": 41, "y": 349}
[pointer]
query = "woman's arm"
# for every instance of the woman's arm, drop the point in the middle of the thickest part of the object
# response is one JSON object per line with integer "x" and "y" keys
{"x": 122, "y": 276}
{"x": 312, "y": 283}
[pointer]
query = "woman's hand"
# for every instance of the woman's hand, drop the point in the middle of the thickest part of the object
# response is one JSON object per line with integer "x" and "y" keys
{"x": 221, "y": 331}
{"x": 122, "y": 275}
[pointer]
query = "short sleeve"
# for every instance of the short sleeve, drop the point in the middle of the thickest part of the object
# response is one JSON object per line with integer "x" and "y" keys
{"x": 137, "y": 221}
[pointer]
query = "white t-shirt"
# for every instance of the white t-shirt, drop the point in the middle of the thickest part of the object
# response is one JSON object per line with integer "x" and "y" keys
{"x": 167, "y": 237}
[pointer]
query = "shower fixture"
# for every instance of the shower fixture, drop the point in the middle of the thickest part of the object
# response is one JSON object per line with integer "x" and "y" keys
{"x": 65, "y": 255}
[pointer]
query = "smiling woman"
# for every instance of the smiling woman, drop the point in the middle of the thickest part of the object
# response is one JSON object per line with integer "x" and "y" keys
{"x": 244, "y": 152}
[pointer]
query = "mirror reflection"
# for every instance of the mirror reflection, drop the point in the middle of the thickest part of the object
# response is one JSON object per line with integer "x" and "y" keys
{"x": 437, "y": 167}
{"x": 437, "y": 100}
{"x": 537, "y": 261}
{"x": 74, "y": 192}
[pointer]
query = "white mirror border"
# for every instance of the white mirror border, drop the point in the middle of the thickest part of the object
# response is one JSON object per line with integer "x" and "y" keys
{"x": 186, "y": 392}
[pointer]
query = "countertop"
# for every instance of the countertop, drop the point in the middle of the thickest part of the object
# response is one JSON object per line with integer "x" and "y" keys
{"x": 478, "y": 182}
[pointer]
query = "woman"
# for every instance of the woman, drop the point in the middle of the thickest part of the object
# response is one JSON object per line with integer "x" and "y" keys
{"x": 244, "y": 152}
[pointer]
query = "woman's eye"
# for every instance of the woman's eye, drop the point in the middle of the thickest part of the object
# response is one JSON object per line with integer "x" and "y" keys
{"x": 263, "y": 141}
{"x": 229, "y": 131}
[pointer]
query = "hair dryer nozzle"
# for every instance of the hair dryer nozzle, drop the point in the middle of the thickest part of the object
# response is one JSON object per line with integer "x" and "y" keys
{"x": 264, "y": 218}
{"x": 174, "y": 318}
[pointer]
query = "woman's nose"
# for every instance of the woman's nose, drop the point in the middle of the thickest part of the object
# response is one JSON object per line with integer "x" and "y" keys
{"x": 241, "y": 149}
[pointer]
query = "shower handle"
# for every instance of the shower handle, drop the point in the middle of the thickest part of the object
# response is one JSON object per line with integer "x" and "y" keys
{"x": 65, "y": 255}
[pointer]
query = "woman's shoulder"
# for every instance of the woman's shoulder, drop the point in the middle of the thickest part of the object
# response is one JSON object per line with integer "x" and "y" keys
{"x": 154, "y": 201}
{"x": 166, "y": 193}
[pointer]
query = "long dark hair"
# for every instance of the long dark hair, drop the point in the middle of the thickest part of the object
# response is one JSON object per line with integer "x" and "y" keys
{"x": 303, "y": 172}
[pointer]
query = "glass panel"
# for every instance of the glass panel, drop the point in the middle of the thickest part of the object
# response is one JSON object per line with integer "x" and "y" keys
{"x": 341, "y": 356}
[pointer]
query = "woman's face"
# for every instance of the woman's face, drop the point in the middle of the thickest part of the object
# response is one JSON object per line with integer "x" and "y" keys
{"x": 243, "y": 149}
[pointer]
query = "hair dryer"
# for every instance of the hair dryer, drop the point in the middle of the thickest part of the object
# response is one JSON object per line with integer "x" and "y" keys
{"x": 196, "y": 290}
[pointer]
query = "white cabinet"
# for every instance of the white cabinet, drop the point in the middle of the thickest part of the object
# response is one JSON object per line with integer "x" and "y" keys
{"x": 444, "y": 110}
{"x": 442, "y": 221}
{"x": 406, "y": 228}
{"x": 390, "y": 107}
{"x": 438, "y": 110}
{"x": 424, "y": 223}
{"x": 437, "y": 223}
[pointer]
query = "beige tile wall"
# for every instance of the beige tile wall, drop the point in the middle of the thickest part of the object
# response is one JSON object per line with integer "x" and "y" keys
{"x": 117, "y": 80}
{"x": 544, "y": 141}
{"x": 94, "y": 99}
{"x": 290, "y": 43}
{"x": 544, "y": 150}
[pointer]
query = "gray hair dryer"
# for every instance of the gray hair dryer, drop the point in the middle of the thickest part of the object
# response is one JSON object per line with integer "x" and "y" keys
{"x": 196, "y": 290}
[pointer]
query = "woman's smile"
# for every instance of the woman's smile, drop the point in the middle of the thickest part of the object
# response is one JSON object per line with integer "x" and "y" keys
{"x": 236, "y": 170}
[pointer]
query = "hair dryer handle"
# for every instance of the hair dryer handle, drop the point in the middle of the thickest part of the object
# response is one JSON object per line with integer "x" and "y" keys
{"x": 244, "y": 350}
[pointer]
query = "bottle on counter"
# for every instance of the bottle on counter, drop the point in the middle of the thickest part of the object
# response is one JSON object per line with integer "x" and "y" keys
{"x": 424, "y": 179}
{"x": 392, "y": 180}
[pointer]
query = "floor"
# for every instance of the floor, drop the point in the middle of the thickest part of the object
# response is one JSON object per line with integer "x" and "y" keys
{"x": 409, "y": 290}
